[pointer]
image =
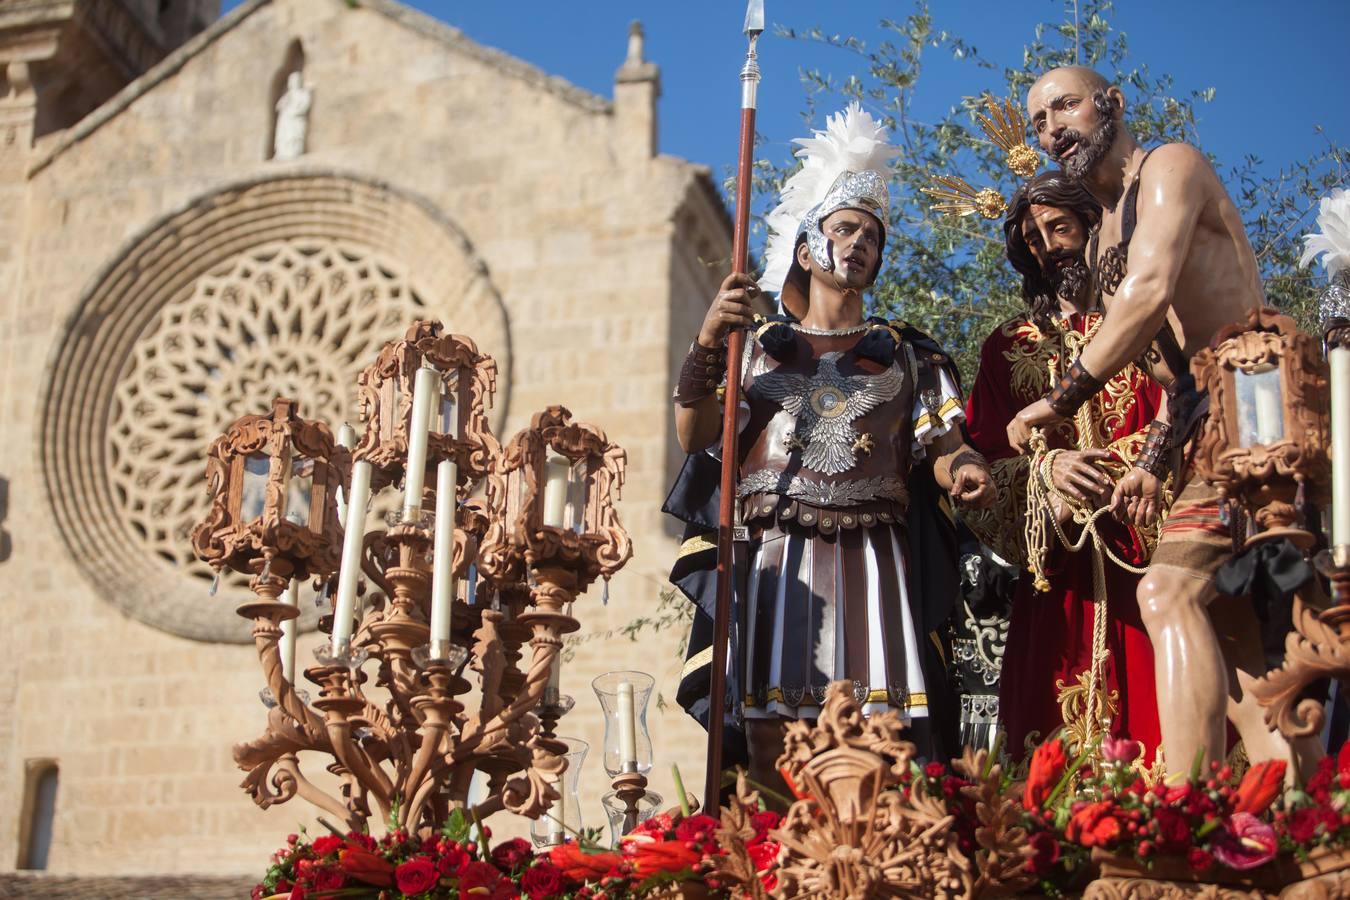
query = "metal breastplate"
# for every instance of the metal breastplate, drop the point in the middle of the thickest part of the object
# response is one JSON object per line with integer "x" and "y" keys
{"x": 829, "y": 430}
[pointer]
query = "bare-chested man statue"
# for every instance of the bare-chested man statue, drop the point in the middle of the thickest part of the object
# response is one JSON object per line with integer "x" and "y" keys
{"x": 1172, "y": 265}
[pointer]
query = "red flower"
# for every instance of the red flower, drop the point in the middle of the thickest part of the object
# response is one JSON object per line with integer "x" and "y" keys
{"x": 934, "y": 770}
{"x": 329, "y": 878}
{"x": 1303, "y": 824}
{"x": 698, "y": 829}
{"x": 764, "y": 822}
{"x": 542, "y": 881}
{"x": 1199, "y": 860}
{"x": 1259, "y": 787}
{"x": 453, "y": 859}
{"x": 1174, "y": 832}
{"x": 1119, "y": 750}
{"x": 664, "y": 856}
{"x": 1047, "y": 767}
{"x": 1094, "y": 826}
{"x": 512, "y": 853}
{"x": 764, "y": 854}
{"x": 1245, "y": 842}
{"x": 478, "y": 879}
{"x": 416, "y": 875}
{"x": 1047, "y": 852}
{"x": 297, "y": 893}
{"x": 1343, "y": 764}
{"x": 365, "y": 866}
{"x": 329, "y": 843}
{"x": 1320, "y": 784}
{"x": 578, "y": 865}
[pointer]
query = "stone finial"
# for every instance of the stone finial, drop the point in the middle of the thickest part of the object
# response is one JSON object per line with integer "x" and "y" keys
{"x": 635, "y": 44}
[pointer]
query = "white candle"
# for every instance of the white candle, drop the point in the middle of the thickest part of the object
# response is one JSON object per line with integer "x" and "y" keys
{"x": 346, "y": 438}
{"x": 291, "y": 597}
{"x": 1269, "y": 416}
{"x": 426, "y": 390}
{"x": 353, "y": 541}
{"x": 556, "y": 469}
{"x": 627, "y": 728}
{"x": 1340, "y": 452}
{"x": 557, "y": 815}
{"x": 442, "y": 578}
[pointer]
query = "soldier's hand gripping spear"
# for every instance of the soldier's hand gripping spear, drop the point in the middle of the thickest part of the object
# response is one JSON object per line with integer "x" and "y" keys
{"x": 754, "y": 26}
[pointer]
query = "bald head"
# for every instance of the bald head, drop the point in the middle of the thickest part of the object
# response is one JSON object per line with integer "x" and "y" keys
{"x": 1073, "y": 108}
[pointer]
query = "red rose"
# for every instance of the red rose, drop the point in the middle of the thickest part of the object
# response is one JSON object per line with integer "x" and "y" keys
{"x": 453, "y": 859}
{"x": 934, "y": 770}
{"x": 1343, "y": 764}
{"x": 542, "y": 881}
{"x": 1047, "y": 852}
{"x": 416, "y": 875}
{"x": 1303, "y": 824}
{"x": 764, "y": 822}
{"x": 297, "y": 893}
{"x": 1320, "y": 784}
{"x": 476, "y": 875}
{"x": 1259, "y": 787}
{"x": 698, "y": 829}
{"x": 1093, "y": 825}
{"x": 329, "y": 878}
{"x": 1174, "y": 832}
{"x": 1047, "y": 767}
{"x": 1199, "y": 860}
{"x": 764, "y": 854}
{"x": 512, "y": 853}
{"x": 329, "y": 843}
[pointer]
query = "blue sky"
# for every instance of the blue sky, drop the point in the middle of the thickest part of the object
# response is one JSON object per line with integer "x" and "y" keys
{"x": 1279, "y": 69}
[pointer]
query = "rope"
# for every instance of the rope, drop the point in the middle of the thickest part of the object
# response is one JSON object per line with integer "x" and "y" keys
{"x": 1040, "y": 491}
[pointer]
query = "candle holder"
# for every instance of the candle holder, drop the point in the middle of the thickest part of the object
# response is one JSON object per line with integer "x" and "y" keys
{"x": 628, "y": 808}
{"x": 549, "y": 830}
{"x": 407, "y": 753}
{"x": 606, "y": 689}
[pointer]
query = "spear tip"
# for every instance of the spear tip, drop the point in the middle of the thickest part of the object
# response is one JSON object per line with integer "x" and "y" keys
{"x": 754, "y": 18}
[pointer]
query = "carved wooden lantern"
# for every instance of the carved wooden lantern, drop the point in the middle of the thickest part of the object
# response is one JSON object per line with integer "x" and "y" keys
{"x": 1264, "y": 445}
{"x": 273, "y": 481}
{"x": 552, "y": 507}
{"x": 459, "y": 427}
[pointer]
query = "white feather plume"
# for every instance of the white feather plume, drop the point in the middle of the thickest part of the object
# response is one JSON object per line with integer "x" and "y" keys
{"x": 852, "y": 141}
{"x": 1333, "y": 244}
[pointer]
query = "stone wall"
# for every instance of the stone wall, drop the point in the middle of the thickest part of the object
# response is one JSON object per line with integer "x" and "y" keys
{"x": 595, "y": 261}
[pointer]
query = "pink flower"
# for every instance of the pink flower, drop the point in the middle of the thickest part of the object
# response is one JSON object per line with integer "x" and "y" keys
{"x": 1245, "y": 842}
{"x": 1120, "y": 750}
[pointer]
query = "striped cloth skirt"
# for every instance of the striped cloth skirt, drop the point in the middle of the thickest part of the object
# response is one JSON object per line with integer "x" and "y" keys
{"x": 824, "y": 607}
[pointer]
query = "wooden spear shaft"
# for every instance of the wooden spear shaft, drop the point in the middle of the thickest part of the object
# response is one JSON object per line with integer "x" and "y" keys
{"x": 740, "y": 258}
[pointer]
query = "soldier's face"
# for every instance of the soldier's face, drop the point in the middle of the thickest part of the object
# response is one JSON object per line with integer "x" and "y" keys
{"x": 855, "y": 247}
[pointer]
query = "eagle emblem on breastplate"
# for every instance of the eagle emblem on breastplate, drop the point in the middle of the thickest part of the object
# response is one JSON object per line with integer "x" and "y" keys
{"x": 826, "y": 405}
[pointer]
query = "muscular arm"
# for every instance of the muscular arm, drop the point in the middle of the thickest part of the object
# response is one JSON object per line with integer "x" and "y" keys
{"x": 1173, "y": 190}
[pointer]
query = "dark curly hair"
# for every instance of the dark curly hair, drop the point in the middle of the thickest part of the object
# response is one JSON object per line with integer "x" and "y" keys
{"x": 1051, "y": 188}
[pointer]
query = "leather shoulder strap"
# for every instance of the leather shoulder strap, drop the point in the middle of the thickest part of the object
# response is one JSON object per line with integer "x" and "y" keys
{"x": 1129, "y": 217}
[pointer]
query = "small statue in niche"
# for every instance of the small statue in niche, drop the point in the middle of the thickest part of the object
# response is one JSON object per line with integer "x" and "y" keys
{"x": 292, "y": 119}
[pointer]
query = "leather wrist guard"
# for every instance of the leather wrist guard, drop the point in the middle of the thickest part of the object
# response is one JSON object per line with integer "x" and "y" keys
{"x": 1077, "y": 387}
{"x": 1153, "y": 458}
{"x": 701, "y": 373}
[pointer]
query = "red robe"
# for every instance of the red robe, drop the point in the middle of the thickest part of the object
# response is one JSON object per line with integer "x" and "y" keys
{"x": 1050, "y": 635}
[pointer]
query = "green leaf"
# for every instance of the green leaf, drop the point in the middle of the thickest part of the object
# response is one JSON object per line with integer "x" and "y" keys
{"x": 456, "y": 827}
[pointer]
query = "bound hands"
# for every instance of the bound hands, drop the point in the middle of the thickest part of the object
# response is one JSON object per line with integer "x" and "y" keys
{"x": 1037, "y": 415}
{"x": 1137, "y": 498}
{"x": 730, "y": 309}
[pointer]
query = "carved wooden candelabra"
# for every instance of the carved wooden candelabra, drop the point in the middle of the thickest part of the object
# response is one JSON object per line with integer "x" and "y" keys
{"x": 403, "y": 727}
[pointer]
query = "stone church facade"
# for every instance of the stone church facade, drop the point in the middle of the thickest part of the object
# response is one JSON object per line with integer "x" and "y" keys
{"x": 172, "y": 255}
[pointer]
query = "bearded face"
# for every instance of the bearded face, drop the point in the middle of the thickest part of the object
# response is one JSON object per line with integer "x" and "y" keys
{"x": 1079, "y": 151}
{"x": 1067, "y": 271}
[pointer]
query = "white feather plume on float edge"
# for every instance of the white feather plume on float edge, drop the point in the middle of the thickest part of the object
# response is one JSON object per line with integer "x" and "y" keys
{"x": 1333, "y": 244}
{"x": 852, "y": 141}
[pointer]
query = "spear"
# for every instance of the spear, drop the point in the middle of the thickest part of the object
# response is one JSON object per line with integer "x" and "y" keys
{"x": 740, "y": 253}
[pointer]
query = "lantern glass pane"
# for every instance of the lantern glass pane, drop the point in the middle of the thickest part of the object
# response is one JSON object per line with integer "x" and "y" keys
{"x": 577, "y": 495}
{"x": 300, "y": 491}
{"x": 1260, "y": 406}
{"x": 557, "y": 490}
{"x": 253, "y": 497}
